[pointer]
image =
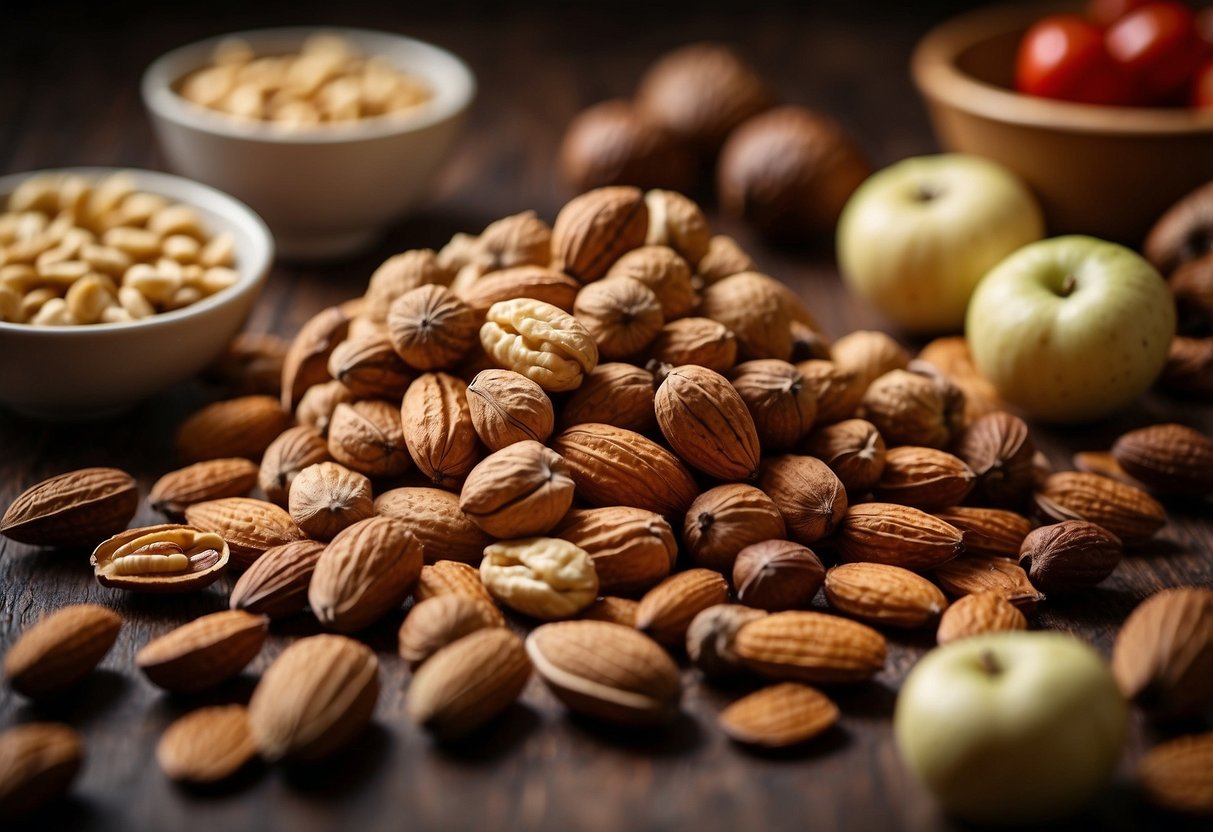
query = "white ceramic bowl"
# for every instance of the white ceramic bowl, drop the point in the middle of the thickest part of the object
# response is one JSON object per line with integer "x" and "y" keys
{"x": 85, "y": 372}
{"x": 325, "y": 191}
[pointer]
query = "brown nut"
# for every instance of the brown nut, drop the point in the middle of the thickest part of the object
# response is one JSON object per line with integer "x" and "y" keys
{"x": 981, "y": 612}
{"x": 699, "y": 341}
{"x": 676, "y": 221}
{"x": 999, "y": 449}
{"x": 664, "y": 272}
{"x": 507, "y": 407}
{"x": 1168, "y": 458}
{"x": 632, "y": 549}
{"x": 621, "y": 314}
{"x": 295, "y": 449}
{"x": 1127, "y": 512}
{"x": 726, "y": 519}
{"x": 72, "y": 509}
{"x": 666, "y": 610}
{"x": 838, "y": 392}
{"x": 438, "y": 428}
{"x": 1069, "y": 555}
{"x": 370, "y": 367}
{"x": 789, "y": 172}
{"x": 897, "y": 535}
{"x": 520, "y": 491}
{"x": 368, "y": 436}
{"x": 782, "y": 405}
{"x": 925, "y": 478}
{"x": 364, "y": 573}
{"x": 1163, "y": 656}
{"x": 402, "y": 273}
{"x": 615, "y": 394}
{"x": 327, "y": 497}
{"x": 243, "y": 426}
{"x": 723, "y": 258}
{"x": 988, "y": 531}
{"x": 911, "y": 409}
{"x": 854, "y": 450}
{"x": 1183, "y": 233}
{"x": 707, "y": 424}
{"x": 434, "y": 516}
{"x": 777, "y": 575}
{"x": 431, "y": 328}
{"x": 611, "y": 143}
{"x": 593, "y": 230}
{"x": 869, "y": 354}
{"x": 710, "y": 639}
{"x": 884, "y": 595}
{"x": 810, "y": 497}
{"x": 753, "y": 306}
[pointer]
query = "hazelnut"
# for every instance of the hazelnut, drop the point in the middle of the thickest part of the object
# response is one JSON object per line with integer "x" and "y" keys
{"x": 789, "y": 172}
{"x": 701, "y": 92}
{"x": 612, "y": 144}
{"x": 1183, "y": 233}
{"x": 1069, "y": 555}
{"x": 777, "y": 575}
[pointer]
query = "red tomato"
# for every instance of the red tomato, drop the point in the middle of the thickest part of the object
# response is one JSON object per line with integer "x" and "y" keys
{"x": 1204, "y": 25}
{"x": 1157, "y": 45}
{"x": 1202, "y": 88}
{"x": 1107, "y": 12}
{"x": 1064, "y": 57}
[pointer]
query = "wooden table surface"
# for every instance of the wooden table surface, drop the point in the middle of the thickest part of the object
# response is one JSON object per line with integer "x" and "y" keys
{"x": 68, "y": 96}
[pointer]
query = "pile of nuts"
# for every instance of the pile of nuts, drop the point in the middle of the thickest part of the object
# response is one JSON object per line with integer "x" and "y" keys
{"x": 74, "y": 251}
{"x": 787, "y": 170}
{"x": 617, "y": 435}
{"x": 328, "y": 82}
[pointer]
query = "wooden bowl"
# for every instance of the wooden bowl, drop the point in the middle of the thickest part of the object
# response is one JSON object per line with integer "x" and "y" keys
{"x": 1105, "y": 171}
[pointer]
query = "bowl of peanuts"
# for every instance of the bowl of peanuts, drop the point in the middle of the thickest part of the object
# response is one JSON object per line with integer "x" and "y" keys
{"x": 329, "y": 135}
{"x": 115, "y": 284}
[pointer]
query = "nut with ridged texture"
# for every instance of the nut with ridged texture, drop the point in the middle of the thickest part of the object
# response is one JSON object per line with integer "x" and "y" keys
{"x": 666, "y": 610}
{"x": 543, "y": 577}
{"x": 534, "y": 282}
{"x": 61, "y": 649}
{"x": 276, "y": 584}
{"x": 1178, "y": 774}
{"x": 664, "y": 272}
{"x": 207, "y": 745}
{"x": 753, "y": 306}
{"x": 897, "y": 535}
{"x": 538, "y": 340}
{"x": 854, "y": 450}
{"x": 999, "y": 449}
{"x": 295, "y": 449}
{"x": 436, "y": 622}
{"x": 724, "y": 258}
{"x": 1127, "y": 512}
{"x": 981, "y": 612}
{"x": 327, "y": 497}
{"x": 810, "y": 497}
{"x": 789, "y": 172}
{"x": 402, "y": 273}
{"x": 777, "y": 575}
{"x": 611, "y": 143}
{"x": 368, "y": 437}
{"x": 365, "y": 572}
{"x": 614, "y": 393}
{"x": 981, "y": 573}
{"x": 438, "y": 428}
{"x": 431, "y": 328}
{"x": 621, "y": 314}
{"x": 710, "y": 639}
{"x": 779, "y": 716}
{"x": 593, "y": 230}
{"x": 677, "y": 222}
{"x": 883, "y": 595}
{"x": 1168, "y": 458}
{"x": 520, "y": 491}
{"x": 911, "y": 409}
{"x": 869, "y": 354}
{"x": 73, "y": 509}
{"x": 707, "y": 424}
{"x": 1069, "y": 555}
{"x": 444, "y": 530}
{"x": 208, "y": 480}
{"x": 699, "y": 341}
{"x": 1163, "y": 655}
{"x": 810, "y": 647}
{"x": 306, "y": 362}
{"x": 369, "y": 366}
{"x": 38, "y": 763}
{"x": 632, "y": 549}
{"x": 782, "y": 405}
{"x": 925, "y": 478}
{"x": 726, "y": 519}
{"x": 988, "y": 531}
{"x": 507, "y": 407}
{"x": 837, "y": 391}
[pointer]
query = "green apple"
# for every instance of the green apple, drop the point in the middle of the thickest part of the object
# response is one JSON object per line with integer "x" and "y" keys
{"x": 916, "y": 237}
{"x": 1011, "y": 727}
{"x": 1071, "y": 329}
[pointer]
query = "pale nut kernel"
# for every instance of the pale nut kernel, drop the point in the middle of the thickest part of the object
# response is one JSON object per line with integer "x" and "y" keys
{"x": 540, "y": 341}
{"x": 543, "y": 577}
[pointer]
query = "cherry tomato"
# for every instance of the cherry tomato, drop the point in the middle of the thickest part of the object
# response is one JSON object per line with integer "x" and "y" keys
{"x": 1064, "y": 57}
{"x": 1204, "y": 25}
{"x": 1202, "y": 88}
{"x": 1157, "y": 45}
{"x": 1107, "y": 12}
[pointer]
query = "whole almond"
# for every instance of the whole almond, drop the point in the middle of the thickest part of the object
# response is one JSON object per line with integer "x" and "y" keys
{"x": 1163, "y": 656}
{"x": 724, "y": 520}
{"x": 295, "y": 449}
{"x": 468, "y": 683}
{"x": 434, "y": 517}
{"x": 438, "y": 428}
{"x": 838, "y": 391}
{"x": 1069, "y": 555}
{"x": 777, "y": 575}
{"x": 707, "y": 424}
{"x": 999, "y": 450}
{"x": 632, "y": 549}
{"x": 988, "y": 531}
{"x": 327, "y": 497}
{"x": 203, "y": 653}
{"x": 61, "y": 649}
{"x": 507, "y": 407}
{"x": 212, "y": 479}
{"x": 884, "y": 595}
{"x": 810, "y": 647}
{"x": 369, "y": 367}
{"x": 810, "y": 497}
{"x": 276, "y": 584}
{"x": 449, "y": 577}
{"x": 249, "y": 526}
{"x": 536, "y": 282}
{"x": 779, "y": 716}
{"x": 616, "y": 467}
{"x": 520, "y": 491}
{"x": 1169, "y": 458}
{"x": 985, "y": 573}
{"x": 1104, "y": 464}
{"x": 38, "y": 762}
{"x": 73, "y": 509}
{"x": 436, "y": 622}
{"x": 619, "y": 394}
{"x": 237, "y": 427}
{"x": 897, "y": 535}
{"x": 924, "y": 478}
{"x": 306, "y": 361}
{"x": 593, "y": 230}
{"x": 981, "y": 612}
{"x": 1178, "y": 774}
{"x": 317, "y": 696}
{"x": 1127, "y": 512}
{"x": 666, "y": 610}
{"x": 368, "y": 437}
{"x": 364, "y": 573}
{"x": 782, "y": 405}
{"x": 206, "y": 746}
{"x": 606, "y": 671}
{"x": 699, "y": 341}
{"x": 710, "y": 639}
{"x": 854, "y": 451}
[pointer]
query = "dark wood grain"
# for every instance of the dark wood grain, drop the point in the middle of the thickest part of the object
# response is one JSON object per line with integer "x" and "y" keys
{"x": 68, "y": 96}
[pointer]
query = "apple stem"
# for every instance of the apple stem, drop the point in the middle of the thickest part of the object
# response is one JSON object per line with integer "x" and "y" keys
{"x": 926, "y": 193}
{"x": 989, "y": 664}
{"x": 1067, "y": 286}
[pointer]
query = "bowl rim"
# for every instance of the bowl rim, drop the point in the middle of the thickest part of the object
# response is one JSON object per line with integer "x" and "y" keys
{"x": 252, "y": 274}
{"x": 938, "y": 78}
{"x": 162, "y": 74}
